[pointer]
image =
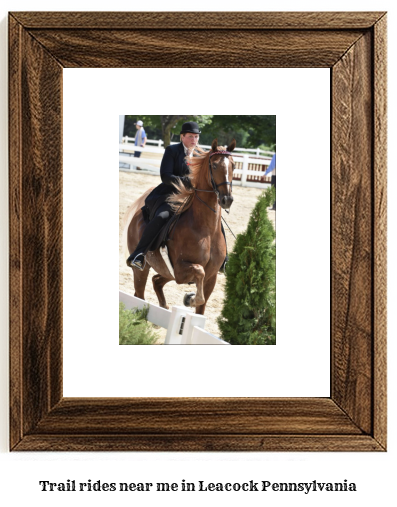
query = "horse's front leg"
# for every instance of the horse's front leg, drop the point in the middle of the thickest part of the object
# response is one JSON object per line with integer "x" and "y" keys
{"x": 140, "y": 278}
{"x": 186, "y": 272}
{"x": 209, "y": 284}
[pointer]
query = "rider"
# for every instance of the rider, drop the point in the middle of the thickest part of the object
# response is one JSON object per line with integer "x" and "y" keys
{"x": 173, "y": 169}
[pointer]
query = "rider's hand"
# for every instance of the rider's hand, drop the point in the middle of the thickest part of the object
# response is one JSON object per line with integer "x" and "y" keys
{"x": 187, "y": 182}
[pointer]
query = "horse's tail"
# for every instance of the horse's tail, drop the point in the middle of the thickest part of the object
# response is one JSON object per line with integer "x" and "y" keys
{"x": 128, "y": 216}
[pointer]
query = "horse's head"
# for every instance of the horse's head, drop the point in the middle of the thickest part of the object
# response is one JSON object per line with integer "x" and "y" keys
{"x": 221, "y": 172}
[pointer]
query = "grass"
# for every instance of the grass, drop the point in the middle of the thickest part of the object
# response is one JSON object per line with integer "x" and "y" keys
{"x": 134, "y": 328}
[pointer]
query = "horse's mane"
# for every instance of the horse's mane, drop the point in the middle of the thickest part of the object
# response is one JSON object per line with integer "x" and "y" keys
{"x": 183, "y": 199}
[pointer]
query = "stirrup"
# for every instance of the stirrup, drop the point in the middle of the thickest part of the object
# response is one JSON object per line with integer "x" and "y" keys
{"x": 137, "y": 264}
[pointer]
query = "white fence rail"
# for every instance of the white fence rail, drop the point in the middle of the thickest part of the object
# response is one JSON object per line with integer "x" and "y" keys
{"x": 183, "y": 326}
{"x": 256, "y": 151}
{"x": 152, "y": 165}
{"x": 127, "y": 139}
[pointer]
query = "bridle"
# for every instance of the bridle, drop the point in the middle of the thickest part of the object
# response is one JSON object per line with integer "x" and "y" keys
{"x": 214, "y": 185}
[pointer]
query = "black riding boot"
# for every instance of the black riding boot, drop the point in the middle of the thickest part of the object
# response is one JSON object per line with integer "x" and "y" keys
{"x": 137, "y": 258}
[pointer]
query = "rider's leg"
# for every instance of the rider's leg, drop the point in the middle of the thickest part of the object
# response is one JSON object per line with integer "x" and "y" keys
{"x": 223, "y": 267}
{"x": 137, "y": 258}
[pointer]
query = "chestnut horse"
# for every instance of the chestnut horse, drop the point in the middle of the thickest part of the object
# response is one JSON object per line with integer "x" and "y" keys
{"x": 196, "y": 246}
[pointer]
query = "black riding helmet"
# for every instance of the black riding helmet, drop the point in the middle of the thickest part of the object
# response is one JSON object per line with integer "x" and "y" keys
{"x": 190, "y": 127}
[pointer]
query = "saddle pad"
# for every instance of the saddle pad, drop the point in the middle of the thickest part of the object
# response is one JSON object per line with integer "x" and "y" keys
{"x": 164, "y": 255}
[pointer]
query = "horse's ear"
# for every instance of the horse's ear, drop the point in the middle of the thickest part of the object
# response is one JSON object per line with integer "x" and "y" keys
{"x": 231, "y": 146}
{"x": 214, "y": 146}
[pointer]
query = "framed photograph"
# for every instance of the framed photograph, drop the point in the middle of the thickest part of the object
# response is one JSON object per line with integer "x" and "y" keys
{"x": 225, "y": 205}
{"x": 353, "y": 46}
{"x": 92, "y": 365}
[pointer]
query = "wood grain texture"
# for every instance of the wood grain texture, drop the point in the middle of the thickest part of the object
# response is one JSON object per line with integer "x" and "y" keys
{"x": 380, "y": 228}
{"x": 35, "y": 230}
{"x": 215, "y": 416}
{"x": 352, "y": 256}
{"x": 353, "y": 45}
{"x": 199, "y": 443}
{"x": 15, "y": 233}
{"x": 196, "y": 48}
{"x": 203, "y": 20}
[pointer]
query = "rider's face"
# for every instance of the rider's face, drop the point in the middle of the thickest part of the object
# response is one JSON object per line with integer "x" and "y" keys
{"x": 190, "y": 140}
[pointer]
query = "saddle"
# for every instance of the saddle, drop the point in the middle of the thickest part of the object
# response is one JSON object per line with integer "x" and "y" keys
{"x": 148, "y": 214}
{"x": 151, "y": 206}
{"x": 161, "y": 239}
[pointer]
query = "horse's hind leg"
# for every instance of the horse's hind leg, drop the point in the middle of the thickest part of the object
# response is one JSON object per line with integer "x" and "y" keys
{"x": 140, "y": 279}
{"x": 158, "y": 283}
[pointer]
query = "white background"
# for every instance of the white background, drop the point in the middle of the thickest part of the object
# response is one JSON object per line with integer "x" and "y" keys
{"x": 373, "y": 473}
{"x": 91, "y": 218}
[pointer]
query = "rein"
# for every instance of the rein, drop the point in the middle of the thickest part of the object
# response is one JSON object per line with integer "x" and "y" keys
{"x": 215, "y": 186}
{"x": 227, "y": 211}
{"x": 198, "y": 190}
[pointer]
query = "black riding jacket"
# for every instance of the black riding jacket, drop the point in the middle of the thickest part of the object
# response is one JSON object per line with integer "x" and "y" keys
{"x": 173, "y": 168}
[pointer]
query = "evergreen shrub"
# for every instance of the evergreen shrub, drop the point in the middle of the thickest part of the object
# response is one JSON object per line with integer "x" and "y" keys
{"x": 134, "y": 329}
{"x": 248, "y": 316}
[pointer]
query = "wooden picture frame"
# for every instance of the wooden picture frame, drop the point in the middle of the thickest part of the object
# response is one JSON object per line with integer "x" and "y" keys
{"x": 353, "y": 46}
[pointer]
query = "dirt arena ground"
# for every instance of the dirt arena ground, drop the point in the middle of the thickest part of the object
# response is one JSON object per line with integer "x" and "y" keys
{"x": 131, "y": 186}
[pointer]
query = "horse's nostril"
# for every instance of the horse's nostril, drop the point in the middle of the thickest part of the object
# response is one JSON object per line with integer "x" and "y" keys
{"x": 226, "y": 201}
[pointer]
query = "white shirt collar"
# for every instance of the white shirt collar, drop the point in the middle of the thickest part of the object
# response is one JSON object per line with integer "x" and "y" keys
{"x": 186, "y": 150}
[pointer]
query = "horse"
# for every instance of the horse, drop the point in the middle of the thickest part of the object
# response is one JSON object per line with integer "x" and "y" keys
{"x": 196, "y": 246}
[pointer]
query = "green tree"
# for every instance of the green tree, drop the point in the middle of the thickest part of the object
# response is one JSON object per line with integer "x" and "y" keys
{"x": 250, "y": 131}
{"x": 166, "y": 124}
{"x": 134, "y": 329}
{"x": 151, "y": 125}
{"x": 248, "y": 316}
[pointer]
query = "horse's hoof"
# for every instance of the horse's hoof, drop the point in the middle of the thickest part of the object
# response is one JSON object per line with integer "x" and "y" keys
{"x": 187, "y": 298}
